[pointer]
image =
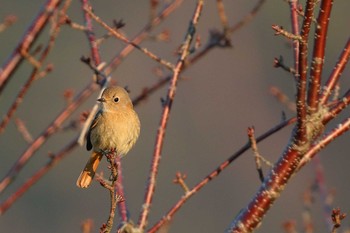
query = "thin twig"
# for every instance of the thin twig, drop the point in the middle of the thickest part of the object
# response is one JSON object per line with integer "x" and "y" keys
{"x": 22, "y": 128}
{"x": 8, "y": 22}
{"x": 336, "y": 73}
{"x": 293, "y": 4}
{"x": 121, "y": 37}
{"x": 141, "y": 36}
{"x": 258, "y": 158}
{"x": 111, "y": 158}
{"x": 247, "y": 18}
{"x": 222, "y": 15}
{"x": 90, "y": 35}
{"x": 278, "y": 62}
{"x": 119, "y": 189}
{"x": 280, "y": 31}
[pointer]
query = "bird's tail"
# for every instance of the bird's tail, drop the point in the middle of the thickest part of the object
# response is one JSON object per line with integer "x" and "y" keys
{"x": 87, "y": 175}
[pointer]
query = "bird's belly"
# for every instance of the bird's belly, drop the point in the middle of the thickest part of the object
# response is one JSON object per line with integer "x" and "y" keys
{"x": 113, "y": 137}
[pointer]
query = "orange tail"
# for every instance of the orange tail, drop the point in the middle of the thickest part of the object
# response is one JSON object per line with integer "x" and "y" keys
{"x": 88, "y": 173}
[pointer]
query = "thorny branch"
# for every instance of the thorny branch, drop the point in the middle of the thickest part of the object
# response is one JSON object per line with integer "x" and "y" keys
{"x": 165, "y": 116}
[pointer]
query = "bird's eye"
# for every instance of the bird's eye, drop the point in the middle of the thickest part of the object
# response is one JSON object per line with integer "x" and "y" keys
{"x": 116, "y": 99}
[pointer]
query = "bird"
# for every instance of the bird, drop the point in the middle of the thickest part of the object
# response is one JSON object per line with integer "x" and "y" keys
{"x": 115, "y": 128}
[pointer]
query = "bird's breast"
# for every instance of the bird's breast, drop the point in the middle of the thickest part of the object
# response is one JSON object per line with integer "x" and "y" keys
{"x": 116, "y": 131}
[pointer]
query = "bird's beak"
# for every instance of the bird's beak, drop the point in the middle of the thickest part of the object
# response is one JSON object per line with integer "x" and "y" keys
{"x": 101, "y": 100}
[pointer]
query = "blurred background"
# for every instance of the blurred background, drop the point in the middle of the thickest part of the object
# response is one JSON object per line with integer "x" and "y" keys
{"x": 218, "y": 97}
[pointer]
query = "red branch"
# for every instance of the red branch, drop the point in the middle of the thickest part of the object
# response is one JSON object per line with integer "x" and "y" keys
{"x": 336, "y": 73}
{"x": 215, "y": 174}
{"x": 326, "y": 139}
{"x": 41, "y": 139}
{"x": 302, "y": 75}
{"x": 295, "y": 30}
{"x": 338, "y": 108}
{"x": 318, "y": 54}
{"x": 85, "y": 93}
{"x": 34, "y": 75}
{"x": 29, "y": 37}
{"x": 250, "y": 217}
{"x": 119, "y": 190}
{"x": 165, "y": 116}
{"x": 91, "y": 35}
{"x": 37, "y": 176}
{"x": 141, "y": 36}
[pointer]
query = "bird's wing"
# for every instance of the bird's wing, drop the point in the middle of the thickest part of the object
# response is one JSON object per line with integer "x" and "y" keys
{"x": 93, "y": 125}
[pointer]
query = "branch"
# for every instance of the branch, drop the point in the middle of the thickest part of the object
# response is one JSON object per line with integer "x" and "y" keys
{"x": 55, "y": 159}
{"x": 25, "y": 44}
{"x": 336, "y": 73}
{"x": 113, "y": 166}
{"x": 91, "y": 35}
{"x": 293, "y": 4}
{"x": 214, "y": 174}
{"x": 36, "y": 71}
{"x": 119, "y": 189}
{"x": 80, "y": 98}
{"x": 141, "y": 36}
{"x": 8, "y": 21}
{"x": 318, "y": 54}
{"x": 302, "y": 75}
{"x": 165, "y": 116}
{"x": 247, "y": 18}
{"x": 290, "y": 163}
{"x": 41, "y": 139}
{"x": 118, "y": 35}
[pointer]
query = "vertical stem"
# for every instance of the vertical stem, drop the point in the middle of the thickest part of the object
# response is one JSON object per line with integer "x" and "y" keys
{"x": 295, "y": 30}
{"x": 318, "y": 54}
{"x": 301, "y": 80}
{"x": 91, "y": 35}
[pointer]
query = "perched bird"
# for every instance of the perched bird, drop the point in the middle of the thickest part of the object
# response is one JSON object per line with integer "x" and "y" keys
{"x": 115, "y": 128}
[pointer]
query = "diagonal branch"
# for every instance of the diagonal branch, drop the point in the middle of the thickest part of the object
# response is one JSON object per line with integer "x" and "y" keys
{"x": 5, "y": 205}
{"x": 214, "y": 174}
{"x": 120, "y": 36}
{"x": 336, "y": 73}
{"x": 41, "y": 139}
{"x": 36, "y": 71}
{"x": 165, "y": 116}
{"x": 28, "y": 39}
